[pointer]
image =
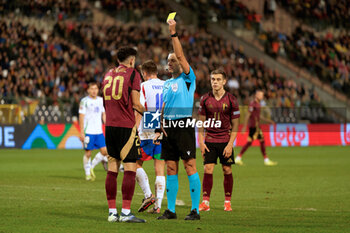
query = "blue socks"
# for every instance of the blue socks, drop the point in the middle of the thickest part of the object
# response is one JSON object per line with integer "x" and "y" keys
{"x": 195, "y": 190}
{"x": 172, "y": 186}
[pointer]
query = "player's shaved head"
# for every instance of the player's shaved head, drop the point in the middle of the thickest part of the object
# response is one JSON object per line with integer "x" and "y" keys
{"x": 174, "y": 66}
{"x": 150, "y": 67}
{"x": 125, "y": 52}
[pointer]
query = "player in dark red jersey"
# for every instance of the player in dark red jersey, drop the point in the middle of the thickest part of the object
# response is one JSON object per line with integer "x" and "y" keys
{"x": 218, "y": 142}
{"x": 121, "y": 96}
{"x": 252, "y": 119}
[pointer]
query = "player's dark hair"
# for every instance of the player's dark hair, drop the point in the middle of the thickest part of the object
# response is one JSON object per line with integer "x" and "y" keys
{"x": 125, "y": 52}
{"x": 219, "y": 71}
{"x": 149, "y": 67}
{"x": 92, "y": 84}
{"x": 258, "y": 90}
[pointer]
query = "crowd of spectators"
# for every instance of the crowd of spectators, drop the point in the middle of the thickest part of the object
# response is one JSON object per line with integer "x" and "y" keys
{"x": 54, "y": 9}
{"x": 42, "y": 65}
{"x": 36, "y": 64}
{"x": 317, "y": 12}
{"x": 328, "y": 56}
{"x": 134, "y": 10}
{"x": 225, "y": 12}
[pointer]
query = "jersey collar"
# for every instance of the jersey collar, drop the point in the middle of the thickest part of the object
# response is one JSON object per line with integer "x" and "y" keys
{"x": 212, "y": 95}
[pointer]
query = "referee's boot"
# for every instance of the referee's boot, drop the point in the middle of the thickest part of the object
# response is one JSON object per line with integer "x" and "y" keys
{"x": 167, "y": 215}
{"x": 193, "y": 215}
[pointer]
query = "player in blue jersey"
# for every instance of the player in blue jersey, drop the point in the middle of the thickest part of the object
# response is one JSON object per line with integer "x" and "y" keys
{"x": 179, "y": 138}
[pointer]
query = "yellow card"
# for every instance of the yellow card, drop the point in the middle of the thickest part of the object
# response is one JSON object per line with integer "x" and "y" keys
{"x": 171, "y": 16}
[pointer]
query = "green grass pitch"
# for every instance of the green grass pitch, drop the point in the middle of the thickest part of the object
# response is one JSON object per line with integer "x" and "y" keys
{"x": 309, "y": 191}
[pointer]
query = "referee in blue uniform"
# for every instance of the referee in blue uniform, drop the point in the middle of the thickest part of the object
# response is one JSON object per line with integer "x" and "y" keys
{"x": 179, "y": 141}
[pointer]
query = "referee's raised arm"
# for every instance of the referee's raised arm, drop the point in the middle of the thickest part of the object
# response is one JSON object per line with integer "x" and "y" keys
{"x": 177, "y": 47}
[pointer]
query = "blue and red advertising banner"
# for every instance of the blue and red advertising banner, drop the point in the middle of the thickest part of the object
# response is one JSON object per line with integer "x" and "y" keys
{"x": 66, "y": 136}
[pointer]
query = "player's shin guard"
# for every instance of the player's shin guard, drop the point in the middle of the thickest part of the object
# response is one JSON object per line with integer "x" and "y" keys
{"x": 195, "y": 190}
{"x": 160, "y": 187}
{"x": 263, "y": 148}
{"x": 172, "y": 186}
{"x": 128, "y": 188}
{"x": 98, "y": 158}
{"x": 142, "y": 180}
{"x": 228, "y": 185}
{"x": 207, "y": 186}
{"x": 245, "y": 147}
{"x": 111, "y": 188}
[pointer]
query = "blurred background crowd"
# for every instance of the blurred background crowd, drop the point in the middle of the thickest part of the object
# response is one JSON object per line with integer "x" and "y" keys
{"x": 53, "y": 66}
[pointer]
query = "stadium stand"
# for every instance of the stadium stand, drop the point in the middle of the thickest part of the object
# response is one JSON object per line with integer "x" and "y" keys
{"x": 326, "y": 56}
{"x": 320, "y": 13}
{"x": 63, "y": 67}
{"x": 133, "y": 10}
{"x": 228, "y": 13}
{"x": 206, "y": 52}
{"x": 77, "y": 9}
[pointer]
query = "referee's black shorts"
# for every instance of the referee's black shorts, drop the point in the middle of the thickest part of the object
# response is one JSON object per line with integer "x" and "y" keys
{"x": 180, "y": 142}
{"x": 123, "y": 144}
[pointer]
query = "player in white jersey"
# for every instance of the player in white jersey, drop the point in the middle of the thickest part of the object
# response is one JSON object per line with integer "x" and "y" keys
{"x": 151, "y": 98}
{"x": 91, "y": 114}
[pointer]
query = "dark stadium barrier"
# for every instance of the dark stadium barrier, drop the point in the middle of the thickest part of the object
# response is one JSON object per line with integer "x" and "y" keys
{"x": 66, "y": 136}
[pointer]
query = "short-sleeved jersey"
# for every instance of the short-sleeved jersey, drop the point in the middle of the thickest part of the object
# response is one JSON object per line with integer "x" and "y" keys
{"x": 151, "y": 97}
{"x": 225, "y": 110}
{"x": 178, "y": 96}
{"x": 117, "y": 86}
{"x": 92, "y": 110}
{"x": 254, "y": 119}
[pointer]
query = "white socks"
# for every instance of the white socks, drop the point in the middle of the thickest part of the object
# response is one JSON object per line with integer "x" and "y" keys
{"x": 126, "y": 211}
{"x": 87, "y": 165}
{"x": 160, "y": 187}
{"x": 98, "y": 158}
{"x": 113, "y": 211}
{"x": 142, "y": 179}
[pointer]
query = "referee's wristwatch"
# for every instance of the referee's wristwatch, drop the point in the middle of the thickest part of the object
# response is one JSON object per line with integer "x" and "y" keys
{"x": 174, "y": 35}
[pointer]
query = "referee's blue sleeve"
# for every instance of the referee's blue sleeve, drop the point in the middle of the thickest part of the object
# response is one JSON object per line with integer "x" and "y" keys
{"x": 165, "y": 91}
{"x": 190, "y": 77}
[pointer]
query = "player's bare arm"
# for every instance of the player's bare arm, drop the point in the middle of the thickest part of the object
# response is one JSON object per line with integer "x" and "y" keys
{"x": 233, "y": 136}
{"x": 81, "y": 125}
{"x": 136, "y": 104}
{"x": 104, "y": 117}
{"x": 178, "y": 48}
{"x": 201, "y": 136}
{"x": 138, "y": 118}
